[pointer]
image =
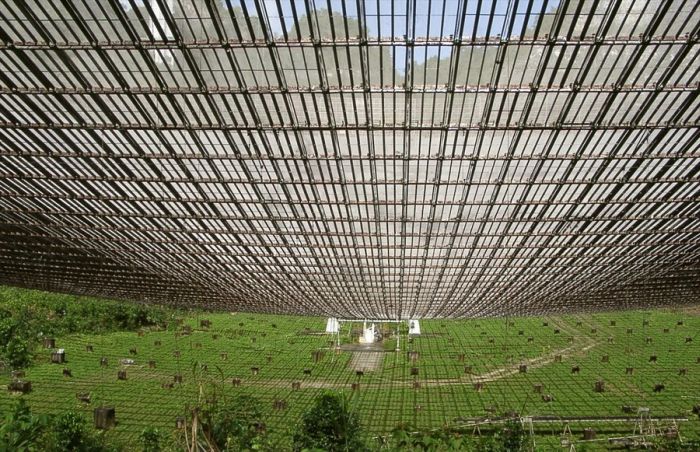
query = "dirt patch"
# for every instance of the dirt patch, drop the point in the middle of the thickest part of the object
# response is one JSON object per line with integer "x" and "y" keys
{"x": 366, "y": 361}
{"x": 355, "y": 347}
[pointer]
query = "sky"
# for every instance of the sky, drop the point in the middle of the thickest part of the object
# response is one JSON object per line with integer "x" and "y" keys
{"x": 387, "y": 18}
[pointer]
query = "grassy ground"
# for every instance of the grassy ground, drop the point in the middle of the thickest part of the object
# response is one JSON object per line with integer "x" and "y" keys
{"x": 441, "y": 394}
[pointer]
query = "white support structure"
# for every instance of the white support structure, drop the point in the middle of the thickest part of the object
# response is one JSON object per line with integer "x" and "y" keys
{"x": 365, "y": 337}
{"x": 368, "y": 334}
{"x": 332, "y": 325}
{"x": 414, "y": 327}
{"x": 398, "y": 337}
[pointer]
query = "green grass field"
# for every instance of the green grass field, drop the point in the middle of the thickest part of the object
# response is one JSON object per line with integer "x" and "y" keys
{"x": 452, "y": 357}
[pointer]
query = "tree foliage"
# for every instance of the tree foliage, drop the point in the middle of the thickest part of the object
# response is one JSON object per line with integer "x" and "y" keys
{"x": 234, "y": 424}
{"x": 404, "y": 438}
{"x": 329, "y": 425}
{"x": 151, "y": 439}
{"x": 508, "y": 438}
{"x": 21, "y": 430}
{"x": 71, "y": 432}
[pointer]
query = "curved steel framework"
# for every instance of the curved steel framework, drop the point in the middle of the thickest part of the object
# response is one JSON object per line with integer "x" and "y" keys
{"x": 424, "y": 158}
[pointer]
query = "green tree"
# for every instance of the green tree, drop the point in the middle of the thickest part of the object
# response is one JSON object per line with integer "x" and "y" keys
{"x": 512, "y": 436}
{"x": 151, "y": 439}
{"x": 71, "y": 433}
{"x": 234, "y": 424}
{"x": 17, "y": 353}
{"x": 329, "y": 425}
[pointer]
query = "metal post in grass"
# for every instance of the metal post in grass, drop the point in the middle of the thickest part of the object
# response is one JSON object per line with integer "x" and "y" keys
{"x": 104, "y": 417}
{"x": 398, "y": 335}
{"x": 528, "y": 420}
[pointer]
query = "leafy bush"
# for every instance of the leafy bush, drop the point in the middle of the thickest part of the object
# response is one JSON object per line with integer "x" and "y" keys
{"x": 15, "y": 349}
{"x": 151, "y": 439}
{"x": 508, "y": 438}
{"x": 234, "y": 424}
{"x": 17, "y": 353}
{"x": 20, "y": 430}
{"x": 7, "y": 327}
{"x": 329, "y": 425}
{"x": 404, "y": 438}
{"x": 664, "y": 443}
{"x": 513, "y": 436}
{"x": 56, "y": 314}
{"x": 71, "y": 433}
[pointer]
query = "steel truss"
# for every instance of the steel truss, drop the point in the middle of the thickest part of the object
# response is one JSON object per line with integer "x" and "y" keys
{"x": 382, "y": 160}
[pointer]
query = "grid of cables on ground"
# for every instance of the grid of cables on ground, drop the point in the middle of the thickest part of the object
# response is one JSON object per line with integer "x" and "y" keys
{"x": 591, "y": 370}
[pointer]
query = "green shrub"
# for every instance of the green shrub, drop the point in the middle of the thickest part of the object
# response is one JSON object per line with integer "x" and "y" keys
{"x": 20, "y": 430}
{"x": 509, "y": 438}
{"x": 7, "y": 327}
{"x": 404, "y": 438}
{"x": 56, "y": 314}
{"x": 234, "y": 424}
{"x": 71, "y": 433}
{"x": 329, "y": 425}
{"x": 151, "y": 439}
{"x": 512, "y": 436}
{"x": 15, "y": 349}
{"x": 17, "y": 353}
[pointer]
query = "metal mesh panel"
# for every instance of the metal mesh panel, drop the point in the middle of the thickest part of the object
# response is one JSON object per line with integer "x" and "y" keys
{"x": 381, "y": 159}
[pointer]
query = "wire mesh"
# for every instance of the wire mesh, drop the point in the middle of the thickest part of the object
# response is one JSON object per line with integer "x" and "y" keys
{"x": 355, "y": 159}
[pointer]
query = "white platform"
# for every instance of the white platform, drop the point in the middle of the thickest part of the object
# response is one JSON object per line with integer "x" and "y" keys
{"x": 414, "y": 327}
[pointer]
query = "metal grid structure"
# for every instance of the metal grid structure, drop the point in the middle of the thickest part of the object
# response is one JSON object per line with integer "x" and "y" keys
{"x": 439, "y": 158}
